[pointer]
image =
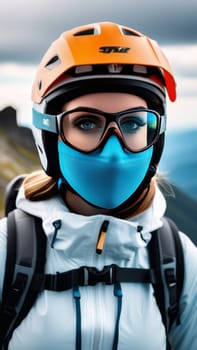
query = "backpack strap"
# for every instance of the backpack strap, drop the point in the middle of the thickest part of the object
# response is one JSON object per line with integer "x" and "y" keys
{"x": 25, "y": 256}
{"x": 11, "y": 192}
{"x": 166, "y": 254}
{"x": 90, "y": 276}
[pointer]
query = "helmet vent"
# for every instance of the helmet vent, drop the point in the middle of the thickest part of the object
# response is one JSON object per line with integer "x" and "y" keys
{"x": 126, "y": 31}
{"x": 53, "y": 62}
{"x": 90, "y": 31}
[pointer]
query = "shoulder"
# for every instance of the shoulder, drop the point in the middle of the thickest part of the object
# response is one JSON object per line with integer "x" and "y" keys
{"x": 180, "y": 338}
{"x": 190, "y": 260}
{"x": 189, "y": 248}
{"x": 188, "y": 302}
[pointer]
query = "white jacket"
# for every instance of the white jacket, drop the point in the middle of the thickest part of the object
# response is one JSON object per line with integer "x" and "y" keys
{"x": 51, "y": 323}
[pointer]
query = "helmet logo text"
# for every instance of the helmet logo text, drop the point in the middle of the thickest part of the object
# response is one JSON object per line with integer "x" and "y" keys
{"x": 46, "y": 121}
{"x": 113, "y": 49}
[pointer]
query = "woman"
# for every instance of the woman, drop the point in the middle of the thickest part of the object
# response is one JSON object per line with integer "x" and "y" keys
{"x": 99, "y": 122}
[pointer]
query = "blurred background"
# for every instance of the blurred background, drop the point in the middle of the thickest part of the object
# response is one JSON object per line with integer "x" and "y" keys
{"x": 27, "y": 28}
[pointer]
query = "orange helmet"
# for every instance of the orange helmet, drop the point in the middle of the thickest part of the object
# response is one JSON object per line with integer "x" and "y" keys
{"x": 92, "y": 58}
{"x": 78, "y": 51}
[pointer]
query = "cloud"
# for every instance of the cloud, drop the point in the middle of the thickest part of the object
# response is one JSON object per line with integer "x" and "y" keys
{"x": 15, "y": 89}
{"x": 26, "y": 32}
{"x": 184, "y": 65}
{"x": 181, "y": 114}
{"x": 183, "y": 57}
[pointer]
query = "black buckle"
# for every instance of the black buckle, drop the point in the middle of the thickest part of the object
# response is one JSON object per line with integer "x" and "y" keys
{"x": 99, "y": 276}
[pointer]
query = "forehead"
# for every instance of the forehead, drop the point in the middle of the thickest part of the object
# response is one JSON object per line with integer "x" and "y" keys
{"x": 107, "y": 101}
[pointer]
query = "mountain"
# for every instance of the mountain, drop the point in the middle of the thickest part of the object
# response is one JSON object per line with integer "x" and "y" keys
{"x": 183, "y": 210}
{"x": 179, "y": 166}
{"x": 17, "y": 150}
{"x": 21, "y": 136}
{"x": 179, "y": 161}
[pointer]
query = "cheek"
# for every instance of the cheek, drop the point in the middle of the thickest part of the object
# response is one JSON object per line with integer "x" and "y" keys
{"x": 139, "y": 139}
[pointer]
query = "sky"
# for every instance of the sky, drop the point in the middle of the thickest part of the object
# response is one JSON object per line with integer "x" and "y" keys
{"x": 27, "y": 28}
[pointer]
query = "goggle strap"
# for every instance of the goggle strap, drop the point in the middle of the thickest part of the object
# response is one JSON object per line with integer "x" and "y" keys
{"x": 163, "y": 124}
{"x": 44, "y": 121}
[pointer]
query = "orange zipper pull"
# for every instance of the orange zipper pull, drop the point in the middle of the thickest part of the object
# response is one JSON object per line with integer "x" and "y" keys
{"x": 102, "y": 236}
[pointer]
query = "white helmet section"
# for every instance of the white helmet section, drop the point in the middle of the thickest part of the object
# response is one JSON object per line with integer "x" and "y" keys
{"x": 37, "y": 133}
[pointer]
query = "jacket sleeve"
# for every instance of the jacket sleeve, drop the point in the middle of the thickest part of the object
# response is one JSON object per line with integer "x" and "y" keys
{"x": 184, "y": 336}
{"x": 3, "y": 249}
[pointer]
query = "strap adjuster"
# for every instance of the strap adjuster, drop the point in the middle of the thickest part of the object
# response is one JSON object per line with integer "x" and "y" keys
{"x": 171, "y": 278}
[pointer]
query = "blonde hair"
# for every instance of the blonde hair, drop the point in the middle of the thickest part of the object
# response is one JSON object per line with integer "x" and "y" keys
{"x": 39, "y": 186}
{"x": 164, "y": 185}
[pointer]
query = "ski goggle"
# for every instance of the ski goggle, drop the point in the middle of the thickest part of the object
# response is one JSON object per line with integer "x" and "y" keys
{"x": 87, "y": 129}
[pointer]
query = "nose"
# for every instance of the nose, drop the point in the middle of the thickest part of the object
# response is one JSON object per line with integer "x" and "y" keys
{"x": 113, "y": 149}
{"x": 113, "y": 128}
{"x": 112, "y": 133}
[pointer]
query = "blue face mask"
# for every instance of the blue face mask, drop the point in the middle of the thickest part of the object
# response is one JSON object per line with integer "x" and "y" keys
{"x": 107, "y": 178}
